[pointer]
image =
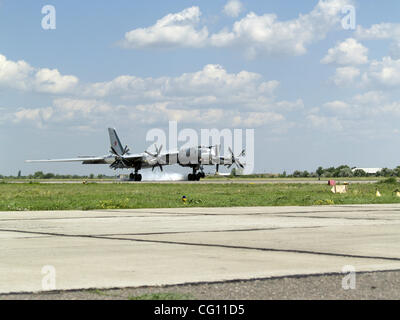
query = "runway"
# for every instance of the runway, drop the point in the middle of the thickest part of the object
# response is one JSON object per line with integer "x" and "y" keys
{"x": 148, "y": 247}
{"x": 205, "y": 181}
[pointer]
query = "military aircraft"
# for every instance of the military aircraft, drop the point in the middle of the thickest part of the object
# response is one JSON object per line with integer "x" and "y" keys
{"x": 195, "y": 158}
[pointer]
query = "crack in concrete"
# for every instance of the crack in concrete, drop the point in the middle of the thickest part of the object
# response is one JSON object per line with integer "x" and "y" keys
{"x": 207, "y": 245}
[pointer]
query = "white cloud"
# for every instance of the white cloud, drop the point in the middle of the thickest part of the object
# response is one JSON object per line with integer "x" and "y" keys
{"x": 206, "y": 88}
{"x": 385, "y": 72}
{"x": 370, "y": 97}
{"x": 20, "y": 75}
{"x": 173, "y": 30}
{"x": 337, "y": 106}
{"x": 52, "y": 81}
{"x": 65, "y": 109}
{"x": 263, "y": 34}
{"x": 266, "y": 34}
{"x": 346, "y": 76}
{"x": 257, "y": 119}
{"x": 233, "y": 8}
{"x": 348, "y": 52}
{"x": 382, "y": 31}
{"x": 14, "y": 74}
{"x": 325, "y": 123}
{"x": 379, "y": 31}
{"x": 211, "y": 95}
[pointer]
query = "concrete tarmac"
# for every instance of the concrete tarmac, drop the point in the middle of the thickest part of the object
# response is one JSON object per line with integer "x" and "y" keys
{"x": 150, "y": 247}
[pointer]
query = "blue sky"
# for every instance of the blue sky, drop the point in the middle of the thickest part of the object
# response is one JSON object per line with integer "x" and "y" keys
{"x": 314, "y": 93}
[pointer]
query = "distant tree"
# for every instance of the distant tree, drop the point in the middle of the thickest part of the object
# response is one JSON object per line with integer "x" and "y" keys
{"x": 320, "y": 171}
{"x": 38, "y": 175}
{"x": 360, "y": 173}
{"x": 396, "y": 171}
{"x": 48, "y": 176}
{"x": 345, "y": 172}
{"x": 297, "y": 174}
{"x": 385, "y": 172}
{"x": 305, "y": 174}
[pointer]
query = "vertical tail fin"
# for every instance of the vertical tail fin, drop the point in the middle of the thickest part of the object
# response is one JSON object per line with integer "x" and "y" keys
{"x": 114, "y": 141}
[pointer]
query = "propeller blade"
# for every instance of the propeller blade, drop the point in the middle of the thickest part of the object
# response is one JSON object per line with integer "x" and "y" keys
{"x": 114, "y": 151}
{"x": 126, "y": 150}
{"x": 238, "y": 163}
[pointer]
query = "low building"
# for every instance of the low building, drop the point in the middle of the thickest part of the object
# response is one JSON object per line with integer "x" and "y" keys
{"x": 368, "y": 170}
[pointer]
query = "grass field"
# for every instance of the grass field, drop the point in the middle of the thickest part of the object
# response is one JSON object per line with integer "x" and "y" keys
{"x": 35, "y": 196}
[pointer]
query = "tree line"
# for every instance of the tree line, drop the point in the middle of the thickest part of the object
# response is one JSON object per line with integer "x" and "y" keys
{"x": 42, "y": 175}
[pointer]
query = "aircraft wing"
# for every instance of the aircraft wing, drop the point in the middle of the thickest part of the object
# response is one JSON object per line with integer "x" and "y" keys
{"x": 84, "y": 160}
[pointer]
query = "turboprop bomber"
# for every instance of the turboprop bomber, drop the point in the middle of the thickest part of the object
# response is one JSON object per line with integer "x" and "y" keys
{"x": 194, "y": 157}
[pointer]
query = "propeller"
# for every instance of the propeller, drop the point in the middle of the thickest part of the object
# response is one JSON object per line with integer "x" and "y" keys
{"x": 157, "y": 157}
{"x": 119, "y": 158}
{"x": 235, "y": 160}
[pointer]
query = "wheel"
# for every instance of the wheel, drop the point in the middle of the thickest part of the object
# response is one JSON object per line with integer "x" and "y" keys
{"x": 190, "y": 177}
{"x": 203, "y": 175}
{"x": 132, "y": 177}
{"x": 198, "y": 176}
{"x": 139, "y": 177}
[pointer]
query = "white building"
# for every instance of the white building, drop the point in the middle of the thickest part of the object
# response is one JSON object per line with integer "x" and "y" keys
{"x": 368, "y": 170}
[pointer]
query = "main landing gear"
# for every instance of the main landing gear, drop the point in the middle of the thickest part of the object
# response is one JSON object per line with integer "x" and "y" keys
{"x": 135, "y": 177}
{"x": 196, "y": 176}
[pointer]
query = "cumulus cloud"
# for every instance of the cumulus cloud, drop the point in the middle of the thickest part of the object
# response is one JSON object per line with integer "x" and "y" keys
{"x": 348, "y": 52}
{"x": 259, "y": 34}
{"x": 382, "y": 31}
{"x": 210, "y": 86}
{"x": 233, "y": 8}
{"x": 385, "y": 72}
{"x": 325, "y": 122}
{"x": 346, "y": 76}
{"x": 65, "y": 109}
{"x": 52, "y": 81}
{"x": 173, "y": 30}
{"x": 337, "y": 106}
{"x": 14, "y": 74}
{"x": 365, "y": 114}
{"x": 211, "y": 95}
{"x": 20, "y": 75}
{"x": 267, "y": 34}
{"x": 379, "y": 31}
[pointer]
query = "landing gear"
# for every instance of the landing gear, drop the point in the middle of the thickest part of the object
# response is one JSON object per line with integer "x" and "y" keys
{"x": 193, "y": 177}
{"x": 135, "y": 177}
{"x": 196, "y": 176}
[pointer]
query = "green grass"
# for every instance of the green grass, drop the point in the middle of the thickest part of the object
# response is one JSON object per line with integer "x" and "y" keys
{"x": 20, "y": 197}
{"x": 163, "y": 296}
